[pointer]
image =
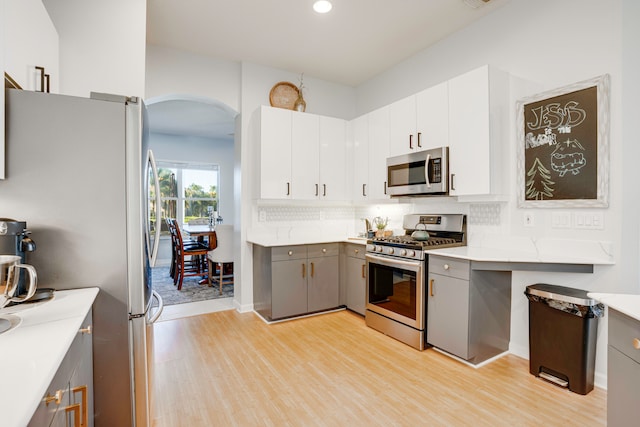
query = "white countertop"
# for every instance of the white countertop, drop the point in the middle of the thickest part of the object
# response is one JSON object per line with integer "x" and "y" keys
{"x": 488, "y": 248}
{"x": 272, "y": 241}
{"x": 504, "y": 255}
{"x": 628, "y": 304}
{"x": 31, "y": 353}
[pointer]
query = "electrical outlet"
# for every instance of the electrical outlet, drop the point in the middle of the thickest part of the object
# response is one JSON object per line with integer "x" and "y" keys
{"x": 561, "y": 220}
{"x": 528, "y": 219}
{"x": 262, "y": 216}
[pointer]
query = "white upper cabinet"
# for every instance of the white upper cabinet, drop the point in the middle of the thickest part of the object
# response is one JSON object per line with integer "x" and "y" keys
{"x": 369, "y": 134}
{"x": 359, "y": 136}
{"x": 419, "y": 121}
{"x": 275, "y": 153}
{"x": 478, "y": 114}
{"x": 378, "y": 153}
{"x": 302, "y": 156}
{"x": 305, "y": 155}
{"x": 432, "y": 117}
{"x": 333, "y": 160}
{"x": 403, "y": 137}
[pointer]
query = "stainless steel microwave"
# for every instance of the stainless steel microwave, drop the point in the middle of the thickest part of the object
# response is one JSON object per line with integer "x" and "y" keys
{"x": 419, "y": 173}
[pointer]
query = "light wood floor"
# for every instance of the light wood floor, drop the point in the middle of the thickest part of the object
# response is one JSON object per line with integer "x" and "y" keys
{"x": 232, "y": 369}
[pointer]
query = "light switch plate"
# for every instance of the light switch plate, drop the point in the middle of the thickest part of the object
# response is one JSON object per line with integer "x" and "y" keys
{"x": 589, "y": 221}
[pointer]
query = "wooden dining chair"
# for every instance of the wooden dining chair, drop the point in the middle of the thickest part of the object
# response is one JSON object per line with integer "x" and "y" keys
{"x": 190, "y": 257}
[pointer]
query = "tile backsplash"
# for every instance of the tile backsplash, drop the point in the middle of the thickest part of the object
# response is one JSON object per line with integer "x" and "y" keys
{"x": 484, "y": 214}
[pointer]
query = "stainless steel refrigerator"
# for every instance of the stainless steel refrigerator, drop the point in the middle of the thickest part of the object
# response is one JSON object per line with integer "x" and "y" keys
{"x": 79, "y": 171}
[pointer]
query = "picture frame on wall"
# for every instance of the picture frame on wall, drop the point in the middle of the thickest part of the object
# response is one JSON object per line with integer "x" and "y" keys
{"x": 563, "y": 146}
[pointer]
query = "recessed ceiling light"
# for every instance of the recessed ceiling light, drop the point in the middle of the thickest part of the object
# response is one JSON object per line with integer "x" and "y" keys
{"x": 322, "y": 6}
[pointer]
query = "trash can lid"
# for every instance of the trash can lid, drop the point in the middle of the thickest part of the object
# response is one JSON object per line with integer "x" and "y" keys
{"x": 561, "y": 293}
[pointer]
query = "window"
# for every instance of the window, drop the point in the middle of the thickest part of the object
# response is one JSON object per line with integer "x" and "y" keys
{"x": 187, "y": 190}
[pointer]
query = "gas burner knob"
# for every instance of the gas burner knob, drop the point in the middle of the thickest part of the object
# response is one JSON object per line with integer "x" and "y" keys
{"x": 411, "y": 253}
{"x": 390, "y": 251}
{"x": 379, "y": 248}
{"x": 403, "y": 252}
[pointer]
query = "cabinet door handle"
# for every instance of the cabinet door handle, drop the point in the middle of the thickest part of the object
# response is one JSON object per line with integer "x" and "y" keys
{"x": 324, "y": 190}
{"x": 288, "y": 188}
{"x": 356, "y": 251}
{"x": 453, "y": 187}
{"x": 316, "y": 190}
{"x": 290, "y": 253}
{"x": 446, "y": 266}
{"x": 411, "y": 141}
{"x": 83, "y": 404}
{"x": 363, "y": 274}
{"x": 76, "y": 414}
{"x": 312, "y": 269}
{"x": 304, "y": 270}
{"x": 431, "y": 287}
{"x": 86, "y": 330}
{"x": 636, "y": 343}
{"x": 364, "y": 190}
{"x": 419, "y": 143}
{"x": 55, "y": 398}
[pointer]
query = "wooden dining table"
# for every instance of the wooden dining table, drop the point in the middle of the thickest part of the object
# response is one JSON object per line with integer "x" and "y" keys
{"x": 200, "y": 232}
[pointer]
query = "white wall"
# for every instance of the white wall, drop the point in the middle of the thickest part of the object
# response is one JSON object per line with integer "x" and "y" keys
{"x": 554, "y": 44}
{"x": 30, "y": 40}
{"x": 172, "y": 71}
{"x": 102, "y": 45}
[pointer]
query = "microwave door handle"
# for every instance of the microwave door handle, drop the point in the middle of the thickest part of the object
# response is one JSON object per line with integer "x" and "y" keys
{"x": 426, "y": 170}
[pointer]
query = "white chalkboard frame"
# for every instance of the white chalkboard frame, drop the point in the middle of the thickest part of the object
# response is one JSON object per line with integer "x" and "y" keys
{"x": 602, "y": 84}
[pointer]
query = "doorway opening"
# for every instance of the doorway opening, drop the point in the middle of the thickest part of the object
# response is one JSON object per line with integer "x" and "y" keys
{"x": 193, "y": 143}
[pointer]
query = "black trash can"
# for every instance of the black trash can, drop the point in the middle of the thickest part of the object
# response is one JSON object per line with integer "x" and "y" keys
{"x": 563, "y": 323}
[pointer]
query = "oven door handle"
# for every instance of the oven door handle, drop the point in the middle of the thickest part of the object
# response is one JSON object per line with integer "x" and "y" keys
{"x": 394, "y": 262}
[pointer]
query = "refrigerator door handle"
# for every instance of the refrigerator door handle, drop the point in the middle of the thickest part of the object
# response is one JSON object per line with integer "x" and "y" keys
{"x": 158, "y": 213}
{"x": 158, "y": 312}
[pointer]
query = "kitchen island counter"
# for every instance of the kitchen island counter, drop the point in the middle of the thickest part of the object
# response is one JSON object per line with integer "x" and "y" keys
{"x": 33, "y": 350}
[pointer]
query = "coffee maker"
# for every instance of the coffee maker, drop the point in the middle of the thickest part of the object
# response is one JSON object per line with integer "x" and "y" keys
{"x": 15, "y": 240}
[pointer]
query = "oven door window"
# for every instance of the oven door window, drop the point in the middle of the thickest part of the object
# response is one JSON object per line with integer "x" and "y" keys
{"x": 393, "y": 289}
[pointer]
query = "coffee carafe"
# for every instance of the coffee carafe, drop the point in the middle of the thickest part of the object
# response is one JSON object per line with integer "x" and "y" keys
{"x": 15, "y": 240}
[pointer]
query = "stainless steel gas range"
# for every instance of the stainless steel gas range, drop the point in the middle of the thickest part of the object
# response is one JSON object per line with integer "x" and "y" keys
{"x": 397, "y": 267}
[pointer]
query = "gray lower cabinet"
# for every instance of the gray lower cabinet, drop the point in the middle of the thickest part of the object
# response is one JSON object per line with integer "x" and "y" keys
{"x": 623, "y": 370}
{"x": 294, "y": 280}
{"x": 68, "y": 400}
{"x": 324, "y": 279}
{"x": 468, "y": 308}
{"x": 354, "y": 279}
{"x": 289, "y": 283}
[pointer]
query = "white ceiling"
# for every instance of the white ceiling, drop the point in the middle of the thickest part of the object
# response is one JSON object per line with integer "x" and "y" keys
{"x": 354, "y": 42}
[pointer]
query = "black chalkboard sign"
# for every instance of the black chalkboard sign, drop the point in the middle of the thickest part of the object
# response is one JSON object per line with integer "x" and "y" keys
{"x": 563, "y": 158}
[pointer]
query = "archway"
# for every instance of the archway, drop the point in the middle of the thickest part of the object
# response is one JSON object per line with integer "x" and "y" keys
{"x": 191, "y": 132}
